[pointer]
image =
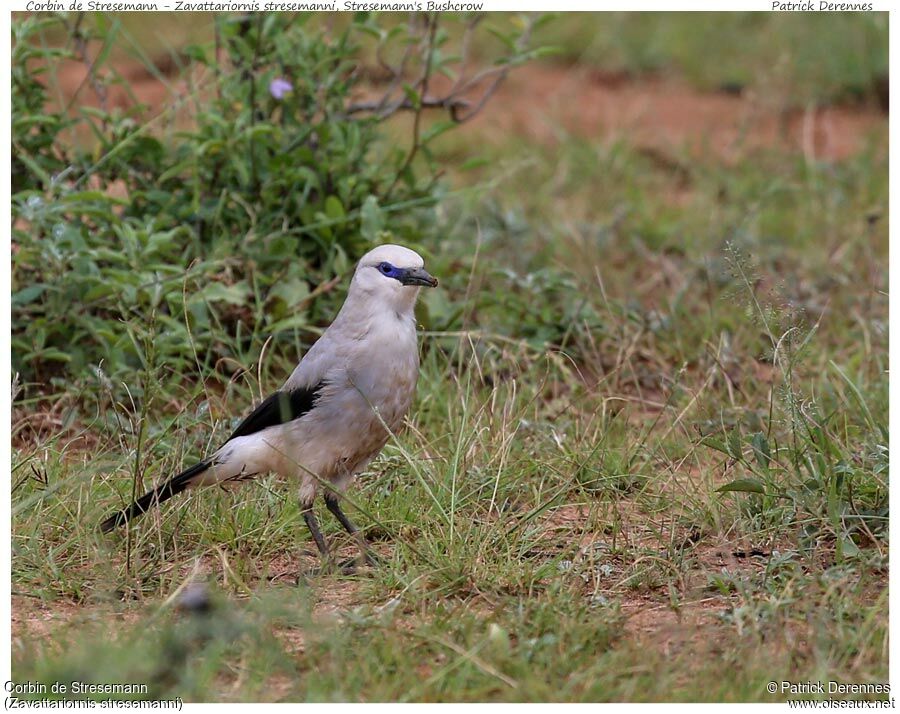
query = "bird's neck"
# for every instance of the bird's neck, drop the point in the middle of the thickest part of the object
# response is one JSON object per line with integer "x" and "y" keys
{"x": 366, "y": 311}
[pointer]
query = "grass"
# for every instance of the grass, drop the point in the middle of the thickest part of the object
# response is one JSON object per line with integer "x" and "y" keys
{"x": 802, "y": 58}
{"x": 613, "y": 343}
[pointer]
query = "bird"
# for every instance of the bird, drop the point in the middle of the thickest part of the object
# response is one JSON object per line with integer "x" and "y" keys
{"x": 337, "y": 409}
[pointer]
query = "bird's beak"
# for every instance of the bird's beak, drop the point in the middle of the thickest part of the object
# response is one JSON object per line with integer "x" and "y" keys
{"x": 418, "y": 276}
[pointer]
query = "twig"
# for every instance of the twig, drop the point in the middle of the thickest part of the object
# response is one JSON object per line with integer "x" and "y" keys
{"x": 423, "y": 91}
{"x": 451, "y": 103}
{"x": 81, "y": 50}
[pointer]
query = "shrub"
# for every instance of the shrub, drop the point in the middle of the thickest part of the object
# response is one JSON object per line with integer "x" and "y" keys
{"x": 237, "y": 227}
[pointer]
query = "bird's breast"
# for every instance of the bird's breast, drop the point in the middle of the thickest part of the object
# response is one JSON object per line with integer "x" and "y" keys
{"x": 386, "y": 371}
{"x": 370, "y": 387}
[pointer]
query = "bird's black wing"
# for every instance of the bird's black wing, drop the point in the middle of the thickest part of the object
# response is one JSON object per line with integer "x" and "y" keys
{"x": 279, "y": 408}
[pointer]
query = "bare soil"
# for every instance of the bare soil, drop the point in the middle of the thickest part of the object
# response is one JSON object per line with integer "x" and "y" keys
{"x": 546, "y": 103}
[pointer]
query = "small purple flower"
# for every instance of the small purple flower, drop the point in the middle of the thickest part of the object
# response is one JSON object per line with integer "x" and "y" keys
{"x": 279, "y": 86}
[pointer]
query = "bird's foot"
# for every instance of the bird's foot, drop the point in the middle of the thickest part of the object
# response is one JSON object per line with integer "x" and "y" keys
{"x": 329, "y": 567}
{"x": 372, "y": 559}
{"x": 351, "y": 566}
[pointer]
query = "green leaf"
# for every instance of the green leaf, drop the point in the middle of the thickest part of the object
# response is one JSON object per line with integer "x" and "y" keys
{"x": 29, "y": 294}
{"x": 744, "y": 485}
{"x": 412, "y": 95}
{"x": 504, "y": 37}
{"x": 371, "y": 219}
{"x": 373, "y": 31}
{"x": 734, "y": 443}
{"x": 298, "y": 320}
{"x": 761, "y": 451}
{"x": 334, "y": 209}
{"x": 474, "y": 163}
{"x": 55, "y": 355}
{"x": 290, "y": 291}
{"x": 236, "y": 294}
{"x": 86, "y": 196}
{"x": 196, "y": 53}
{"x": 35, "y": 168}
{"x": 543, "y": 20}
{"x": 437, "y": 129}
{"x": 108, "y": 43}
{"x": 849, "y": 549}
{"x": 541, "y": 52}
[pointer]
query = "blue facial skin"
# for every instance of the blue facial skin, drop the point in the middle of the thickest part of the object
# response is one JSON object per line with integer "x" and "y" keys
{"x": 407, "y": 276}
{"x": 390, "y": 271}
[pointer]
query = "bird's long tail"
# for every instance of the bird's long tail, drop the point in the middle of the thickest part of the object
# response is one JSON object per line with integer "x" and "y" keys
{"x": 172, "y": 487}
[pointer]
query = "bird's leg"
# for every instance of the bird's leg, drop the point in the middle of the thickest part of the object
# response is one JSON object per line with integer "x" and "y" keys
{"x": 332, "y": 501}
{"x": 313, "y": 526}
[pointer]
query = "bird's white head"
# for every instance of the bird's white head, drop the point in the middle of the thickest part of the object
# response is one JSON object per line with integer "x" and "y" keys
{"x": 391, "y": 274}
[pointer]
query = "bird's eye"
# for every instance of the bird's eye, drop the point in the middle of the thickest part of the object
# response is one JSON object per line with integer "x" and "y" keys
{"x": 385, "y": 268}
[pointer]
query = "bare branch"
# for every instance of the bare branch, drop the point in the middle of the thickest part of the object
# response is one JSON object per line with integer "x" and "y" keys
{"x": 464, "y": 52}
{"x": 423, "y": 84}
{"x": 450, "y": 103}
{"x": 81, "y": 51}
{"x": 461, "y": 109}
{"x": 395, "y": 82}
